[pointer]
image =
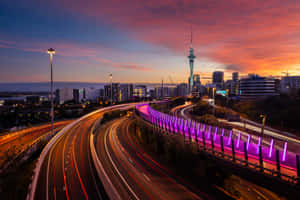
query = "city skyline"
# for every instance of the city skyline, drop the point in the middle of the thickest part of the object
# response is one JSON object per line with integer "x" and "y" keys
{"x": 146, "y": 42}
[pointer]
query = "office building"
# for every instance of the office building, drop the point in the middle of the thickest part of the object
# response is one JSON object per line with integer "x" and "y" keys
{"x": 91, "y": 94}
{"x": 218, "y": 79}
{"x": 116, "y": 92}
{"x": 33, "y": 99}
{"x": 152, "y": 93}
{"x": 126, "y": 91}
{"x": 160, "y": 92}
{"x": 76, "y": 95}
{"x": 234, "y": 86}
{"x": 255, "y": 86}
{"x": 182, "y": 89}
{"x": 197, "y": 83}
{"x": 101, "y": 92}
{"x": 140, "y": 91}
{"x": 63, "y": 95}
{"x": 290, "y": 85}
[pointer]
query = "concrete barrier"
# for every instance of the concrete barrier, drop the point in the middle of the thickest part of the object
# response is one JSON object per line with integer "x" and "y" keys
{"x": 108, "y": 186}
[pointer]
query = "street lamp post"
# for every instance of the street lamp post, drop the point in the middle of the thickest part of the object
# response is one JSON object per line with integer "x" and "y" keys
{"x": 227, "y": 97}
{"x": 213, "y": 93}
{"x": 51, "y": 51}
{"x": 111, "y": 89}
{"x": 263, "y": 123}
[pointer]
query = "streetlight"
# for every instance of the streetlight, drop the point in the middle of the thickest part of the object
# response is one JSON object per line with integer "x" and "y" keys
{"x": 263, "y": 123}
{"x": 213, "y": 91}
{"x": 51, "y": 51}
{"x": 110, "y": 76}
{"x": 227, "y": 96}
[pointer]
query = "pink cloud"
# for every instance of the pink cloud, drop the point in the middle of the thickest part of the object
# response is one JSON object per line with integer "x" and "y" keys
{"x": 74, "y": 50}
{"x": 131, "y": 66}
{"x": 256, "y": 35}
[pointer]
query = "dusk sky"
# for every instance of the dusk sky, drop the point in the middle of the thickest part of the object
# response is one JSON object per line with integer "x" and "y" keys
{"x": 146, "y": 41}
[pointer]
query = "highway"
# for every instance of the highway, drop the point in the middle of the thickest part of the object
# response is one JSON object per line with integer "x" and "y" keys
{"x": 133, "y": 173}
{"x": 67, "y": 171}
{"x": 18, "y": 141}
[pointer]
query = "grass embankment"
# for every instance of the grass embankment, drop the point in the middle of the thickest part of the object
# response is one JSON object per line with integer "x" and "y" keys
{"x": 108, "y": 116}
{"x": 282, "y": 111}
{"x": 168, "y": 105}
{"x": 205, "y": 113}
{"x": 14, "y": 183}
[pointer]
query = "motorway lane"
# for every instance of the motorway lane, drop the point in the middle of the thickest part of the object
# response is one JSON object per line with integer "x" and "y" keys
{"x": 19, "y": 141}
{"x": 30, "y": 133}
{"x": 68, "y": 172}
{"x": 133, "y": 175}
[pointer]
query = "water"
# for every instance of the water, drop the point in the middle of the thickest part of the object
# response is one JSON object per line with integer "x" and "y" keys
{"x": 45, "y": 86}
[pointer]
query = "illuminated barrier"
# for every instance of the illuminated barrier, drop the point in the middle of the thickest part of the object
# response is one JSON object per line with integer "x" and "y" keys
{"x": 254, "y": 148}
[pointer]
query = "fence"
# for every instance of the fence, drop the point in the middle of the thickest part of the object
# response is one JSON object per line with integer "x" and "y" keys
{"x": 240, "y": 148}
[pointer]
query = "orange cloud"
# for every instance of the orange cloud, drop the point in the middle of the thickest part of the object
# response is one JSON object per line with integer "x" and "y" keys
{"x": 259, "y": 36}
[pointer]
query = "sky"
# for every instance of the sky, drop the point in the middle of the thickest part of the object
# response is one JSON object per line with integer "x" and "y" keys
{"x": 147, "y": 41}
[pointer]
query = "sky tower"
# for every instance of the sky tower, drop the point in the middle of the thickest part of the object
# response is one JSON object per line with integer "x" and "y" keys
{"x": 191, "y": 59}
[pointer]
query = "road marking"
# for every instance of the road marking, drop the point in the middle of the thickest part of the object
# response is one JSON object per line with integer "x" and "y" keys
{"x": 148, "y": 179}
{"x": 48, "y": 168}
{"x": 77, "y": 171}
{"x": 130, "y": 160}
{"x": 92, "y": 172}
{"x": 113, "y": 194}
{"x": 63, "y": 167}
{"x": 47, "y": 177}
{"x": 116, "y": 169}
{"x": 54, "y": 193}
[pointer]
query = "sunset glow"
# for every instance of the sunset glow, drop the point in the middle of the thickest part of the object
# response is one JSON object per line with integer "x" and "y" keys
{"x": 143, "y": 38}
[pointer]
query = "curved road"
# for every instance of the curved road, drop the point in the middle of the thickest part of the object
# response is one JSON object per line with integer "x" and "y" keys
{"x": 67, "y": 170}
{"x": 134, "y": 174}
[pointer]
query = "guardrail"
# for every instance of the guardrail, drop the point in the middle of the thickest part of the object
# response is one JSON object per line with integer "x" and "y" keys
{"x": 109, "y": 187}
{"x": 223, "y": 144}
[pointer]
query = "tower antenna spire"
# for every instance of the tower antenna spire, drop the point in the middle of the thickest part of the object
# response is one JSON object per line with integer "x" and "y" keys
{"x": 191, "y": 36}
{"x": 191, "y": 58}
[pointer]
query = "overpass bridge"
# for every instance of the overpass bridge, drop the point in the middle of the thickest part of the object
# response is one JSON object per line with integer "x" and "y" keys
{"x": 263, "y": 156}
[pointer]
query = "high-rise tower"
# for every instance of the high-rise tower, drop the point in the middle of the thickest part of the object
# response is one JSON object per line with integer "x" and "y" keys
{"x": 191, "y": 59}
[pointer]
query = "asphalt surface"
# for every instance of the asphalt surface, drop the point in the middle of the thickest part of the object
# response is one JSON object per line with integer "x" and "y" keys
{"x": 134, "y": 174}
{"x": 68, "y": 171}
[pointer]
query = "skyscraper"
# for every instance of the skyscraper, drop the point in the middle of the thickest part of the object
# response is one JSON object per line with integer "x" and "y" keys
{"x": 126, "y": 91}
{"x": 218, "y": 79}
{"x": 191, "y": 59}
{"x": 235, "y": 76}
{"x": 197, "y": 82}
{"x": 116, "y": 92}
{"x": 234, "y": 90}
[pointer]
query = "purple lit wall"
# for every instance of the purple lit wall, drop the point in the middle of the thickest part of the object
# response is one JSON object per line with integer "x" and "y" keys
{"x": 194, "y": 129}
